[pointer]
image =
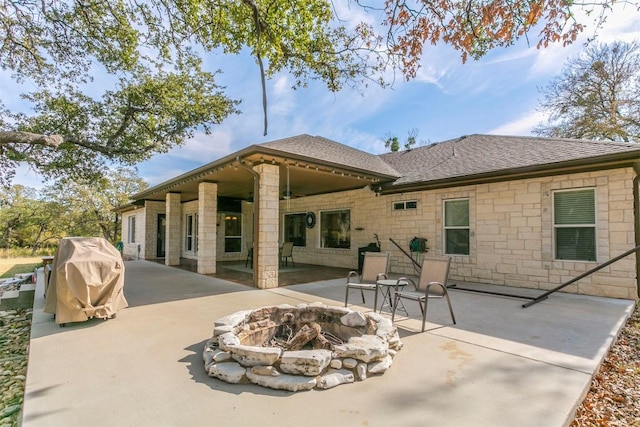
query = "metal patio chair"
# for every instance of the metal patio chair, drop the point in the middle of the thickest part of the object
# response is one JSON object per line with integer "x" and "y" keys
{"x": 374, "y": 268}
{"x": 286, "y": 253}
{"x": 432, "y": 284}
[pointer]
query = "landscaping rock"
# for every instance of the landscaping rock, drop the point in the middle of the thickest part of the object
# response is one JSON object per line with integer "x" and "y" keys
{"x": 230, "y": 372}
{"x": 334, "y": 379}
{"x": 283, "y": 382}
{"x": 366, "y": 348}
{"x": 248, "y": 355}
{"x": 305, "y": 362}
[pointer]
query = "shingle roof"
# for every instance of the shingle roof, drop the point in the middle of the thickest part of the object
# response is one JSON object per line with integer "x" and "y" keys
{"x": 481, "y": 154}
{"x": 323, "y": 149}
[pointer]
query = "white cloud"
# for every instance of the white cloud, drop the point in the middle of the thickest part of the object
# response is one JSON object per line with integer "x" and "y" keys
{"x": 521, "y": 126}
{"x": 622, "y": 23}
{"x": 203, "y": 147}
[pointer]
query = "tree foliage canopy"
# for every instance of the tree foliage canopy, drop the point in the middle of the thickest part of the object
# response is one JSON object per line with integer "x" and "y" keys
{"x": 150, "y": 54}
{"x": 596, "y": 96}
{"x": 30, "y": 218}
{"x": 392, "y": 142}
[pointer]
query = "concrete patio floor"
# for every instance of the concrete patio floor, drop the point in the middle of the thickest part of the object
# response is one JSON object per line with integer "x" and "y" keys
{"x": 501, "y": 365}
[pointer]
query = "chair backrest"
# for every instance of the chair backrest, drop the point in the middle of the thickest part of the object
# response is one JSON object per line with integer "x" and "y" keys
{"x": 434, "y": 270}
{"x": 287, "y": 249}
{"x": 374, "y": 263}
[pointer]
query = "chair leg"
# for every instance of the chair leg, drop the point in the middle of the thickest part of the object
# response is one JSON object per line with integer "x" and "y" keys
{"x": 346, "y": 296}
{"x": 375, "y": 299}
{"x": 362, "y": 294}
{"x": 446, "y": 294}
{"x": 396, "y": 297}
{"x": 424, "y": 313}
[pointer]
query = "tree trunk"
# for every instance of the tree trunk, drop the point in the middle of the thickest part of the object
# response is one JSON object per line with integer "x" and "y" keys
{"x": 36, "y": 243}
{"x": 116, "y": 229}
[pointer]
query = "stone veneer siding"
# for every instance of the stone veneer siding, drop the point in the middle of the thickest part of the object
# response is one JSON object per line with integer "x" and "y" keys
{"x": 174, "y": 229}
{"x": 267, "y": 272}
{"x": 152, "y": 209}
{"x": 130, "y": 250}
{"x": 511, "y": 229}
{"x": 207, "y": 213}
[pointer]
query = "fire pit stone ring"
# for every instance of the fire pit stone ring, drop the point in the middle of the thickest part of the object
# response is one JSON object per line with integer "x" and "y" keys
{"x": 300, "y": 347}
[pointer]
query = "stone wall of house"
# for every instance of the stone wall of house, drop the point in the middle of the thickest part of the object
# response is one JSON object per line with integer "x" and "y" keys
{"x": 152, "y": 209}
{"x": 134, "y": 250}
{"x": 188, "y": 208}
{"x": 511, "y": 229}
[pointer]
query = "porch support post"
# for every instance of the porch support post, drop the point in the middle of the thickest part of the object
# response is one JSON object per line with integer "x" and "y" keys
{"x": 207, "y": 232}
{"x": 172, "y": 235}
{"x": 266, "y": 236}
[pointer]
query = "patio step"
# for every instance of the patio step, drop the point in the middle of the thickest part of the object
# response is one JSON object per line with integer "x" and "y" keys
{"x": 18, "y": 299}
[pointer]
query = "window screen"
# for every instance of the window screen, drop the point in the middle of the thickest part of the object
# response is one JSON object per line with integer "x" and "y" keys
{"x": 574, "y": 217}
{"x": 456, "y": 227}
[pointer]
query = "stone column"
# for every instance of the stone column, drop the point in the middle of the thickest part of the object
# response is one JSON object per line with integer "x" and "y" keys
{"x": 207, "y": 232}
{"x": 173, "y": 237}
{"x": 266, "y": 236}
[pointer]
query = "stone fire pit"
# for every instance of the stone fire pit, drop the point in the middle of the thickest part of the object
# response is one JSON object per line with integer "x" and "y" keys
{"x": 300, "y": 347}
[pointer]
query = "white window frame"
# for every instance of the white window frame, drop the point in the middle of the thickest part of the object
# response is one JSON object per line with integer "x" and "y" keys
{"x": 190, "y": 232}
{"x": 404, "y": 205}
{"x": 585, "y": 225}
{"x": 131, "y": 229}
{"x": 445, "y": 228}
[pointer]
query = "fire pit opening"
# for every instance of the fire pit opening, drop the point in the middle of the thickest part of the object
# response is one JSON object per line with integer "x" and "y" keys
{"x": 300, "y": 347}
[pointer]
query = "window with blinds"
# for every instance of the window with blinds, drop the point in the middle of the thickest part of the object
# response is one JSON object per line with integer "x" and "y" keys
{"x": 574, "y": 222}
{"x": 456, "y": 227}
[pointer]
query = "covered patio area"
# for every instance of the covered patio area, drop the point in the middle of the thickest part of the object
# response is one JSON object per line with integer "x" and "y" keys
{"x": 501, "y": 365}
{"x": 239, "y": 272}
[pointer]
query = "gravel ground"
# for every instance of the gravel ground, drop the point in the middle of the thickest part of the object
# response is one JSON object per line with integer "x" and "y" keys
{"x": 15, "y": 330}
{"x": 612, "y": 401}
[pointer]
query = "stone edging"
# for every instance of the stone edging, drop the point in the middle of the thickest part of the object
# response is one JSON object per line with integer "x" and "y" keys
{"x": 236, "y": 353}
{"x": 18, "y": 293}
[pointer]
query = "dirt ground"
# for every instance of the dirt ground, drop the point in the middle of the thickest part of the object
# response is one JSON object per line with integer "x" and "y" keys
{"x": 614, "y": 396}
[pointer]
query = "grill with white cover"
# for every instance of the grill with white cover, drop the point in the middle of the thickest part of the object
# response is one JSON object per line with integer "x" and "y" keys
{"x": 87, "y": 281}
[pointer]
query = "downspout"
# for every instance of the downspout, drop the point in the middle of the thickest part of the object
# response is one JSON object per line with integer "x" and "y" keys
{"x": 256, "y": 217}
{"x": 636, "y": 221}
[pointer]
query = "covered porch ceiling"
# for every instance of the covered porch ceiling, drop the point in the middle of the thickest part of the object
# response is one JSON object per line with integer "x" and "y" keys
{"x": 301, "y": 176}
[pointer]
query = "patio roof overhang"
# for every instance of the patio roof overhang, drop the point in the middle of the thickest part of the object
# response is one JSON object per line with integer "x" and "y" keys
{"x": 306, "y": 176}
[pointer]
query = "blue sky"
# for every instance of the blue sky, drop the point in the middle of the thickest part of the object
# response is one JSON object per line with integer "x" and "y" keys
{"x": 498, "y": 94}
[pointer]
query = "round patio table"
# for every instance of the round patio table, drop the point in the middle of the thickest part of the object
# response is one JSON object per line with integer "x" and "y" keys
{"x": 387, "y": 297}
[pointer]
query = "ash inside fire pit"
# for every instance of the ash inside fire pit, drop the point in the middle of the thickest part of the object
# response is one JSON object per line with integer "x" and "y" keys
{"x": 300, "y": 348}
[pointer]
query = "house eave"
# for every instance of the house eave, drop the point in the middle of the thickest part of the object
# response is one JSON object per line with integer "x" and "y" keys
{"x": 252, "y": 155}
{"x": 614, "y": 161}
